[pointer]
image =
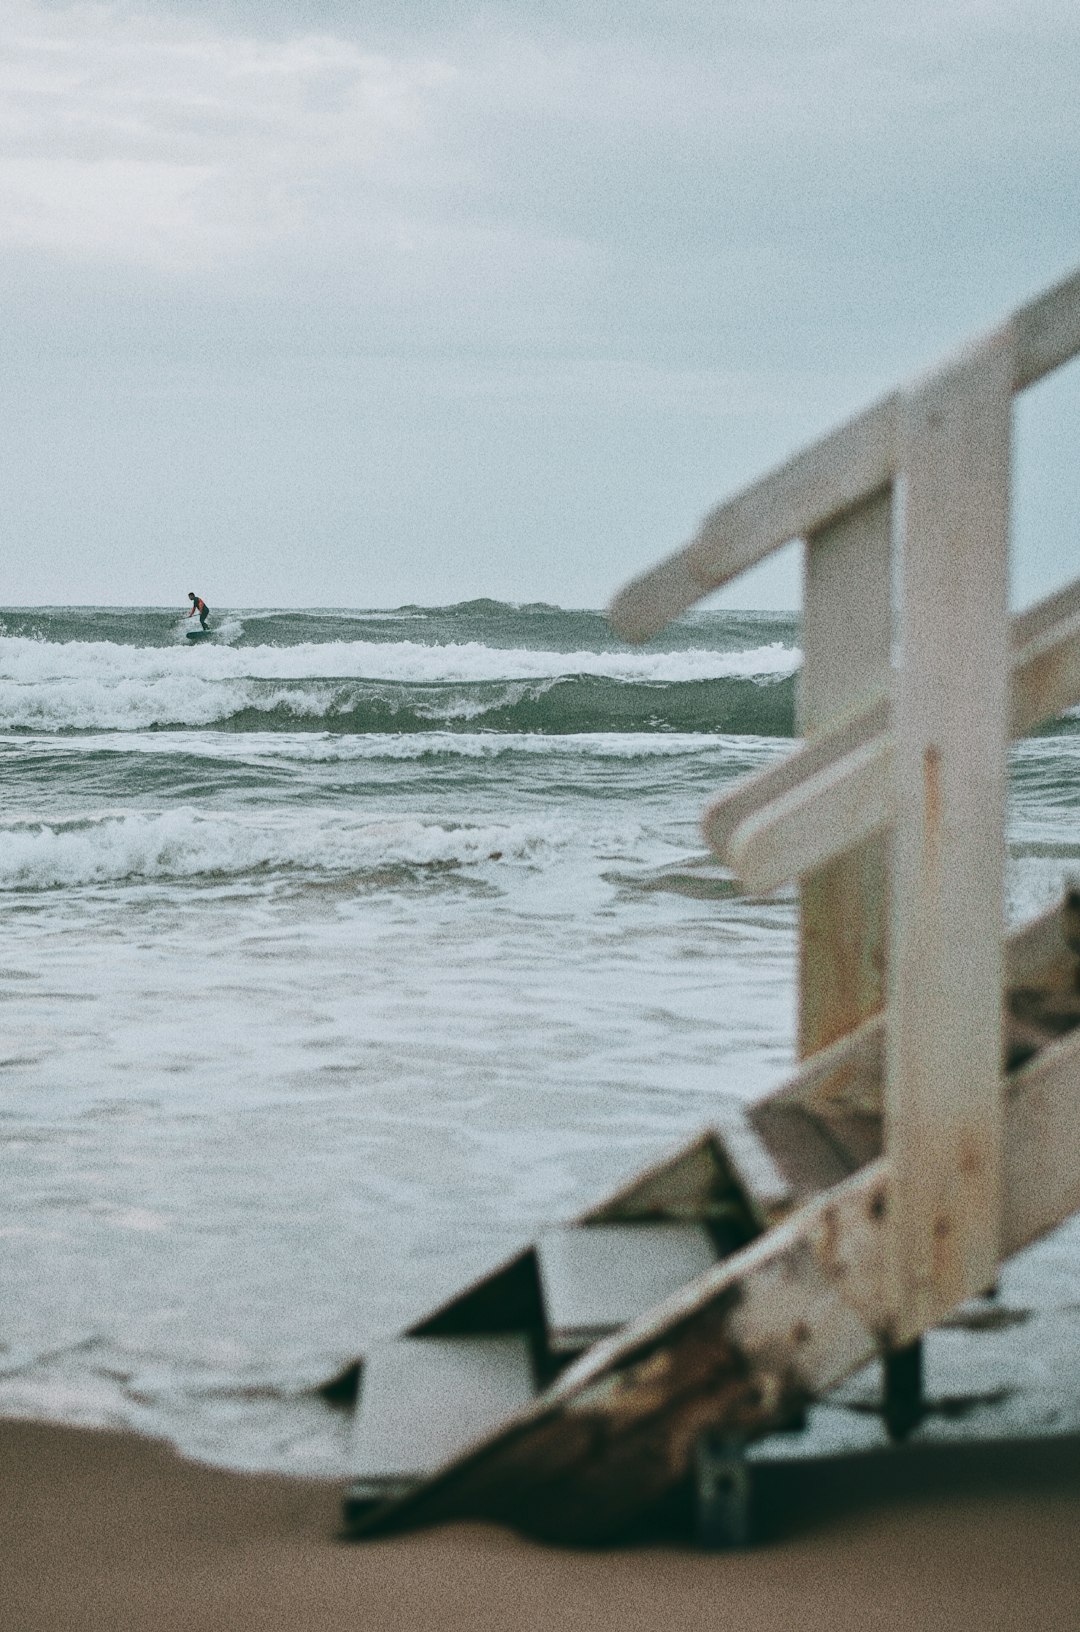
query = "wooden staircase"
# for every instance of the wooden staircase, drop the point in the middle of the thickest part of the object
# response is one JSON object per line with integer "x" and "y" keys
{"x": 480, "y": 1409}
{"x": 933, "y": 1127}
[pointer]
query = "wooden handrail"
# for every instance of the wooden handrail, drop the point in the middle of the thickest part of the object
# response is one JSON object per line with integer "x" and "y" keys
{"x": 832, "y": 476}
{"x": 916, "y": 743}
{"x": 800, "y": 496}
{"x": 829, "y": 795}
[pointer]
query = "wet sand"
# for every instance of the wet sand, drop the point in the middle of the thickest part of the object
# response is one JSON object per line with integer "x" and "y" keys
{"x": 106, "y": 1531}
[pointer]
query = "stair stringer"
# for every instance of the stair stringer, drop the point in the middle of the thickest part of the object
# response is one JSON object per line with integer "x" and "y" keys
{"x": 744, "y": 1348}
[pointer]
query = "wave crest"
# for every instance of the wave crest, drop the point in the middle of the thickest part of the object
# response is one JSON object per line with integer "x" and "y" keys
{"x": 187, "y": 844}
{"x": 33, "y": 662}
{"x": 396, "y": 687}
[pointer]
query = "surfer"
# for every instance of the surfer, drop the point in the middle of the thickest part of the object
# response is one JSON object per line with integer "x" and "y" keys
{"x": 198, "y": 605}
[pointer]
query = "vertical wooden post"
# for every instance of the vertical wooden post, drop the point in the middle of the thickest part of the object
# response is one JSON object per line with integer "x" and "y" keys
{"x": 723, "y": 1491}
{"x": 943, "y": 1093}
{"x": 903, "y": 1389}
{"x": 847, "y": 632}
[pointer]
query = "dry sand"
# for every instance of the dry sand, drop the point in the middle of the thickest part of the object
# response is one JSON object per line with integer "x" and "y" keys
{"x": 104, "y": 1531}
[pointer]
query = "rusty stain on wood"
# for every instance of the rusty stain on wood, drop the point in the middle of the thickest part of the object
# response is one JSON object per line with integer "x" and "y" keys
{"x": 932, "y": 808}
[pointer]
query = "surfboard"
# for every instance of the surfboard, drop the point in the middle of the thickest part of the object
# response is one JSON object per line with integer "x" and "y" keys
{"x": 198, "y": 634}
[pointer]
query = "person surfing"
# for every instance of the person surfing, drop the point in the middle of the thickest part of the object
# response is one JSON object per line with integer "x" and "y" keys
{"x": 198, "y": 605}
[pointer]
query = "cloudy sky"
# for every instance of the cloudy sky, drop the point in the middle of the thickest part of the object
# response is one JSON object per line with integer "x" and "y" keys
{"x": 368, "y": 301}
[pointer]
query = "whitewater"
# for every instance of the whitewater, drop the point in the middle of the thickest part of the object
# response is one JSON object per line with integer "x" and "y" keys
{"x": 347, "y": 950}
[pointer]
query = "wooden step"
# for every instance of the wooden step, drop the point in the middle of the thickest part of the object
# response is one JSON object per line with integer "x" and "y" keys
{"x": 425, "y": 1400}
{"x": 597, "y": 1277}
{"x": 757, "y": 1176}
{"x": 814, "y": 1151}
{"x": 1053, "y": 1012}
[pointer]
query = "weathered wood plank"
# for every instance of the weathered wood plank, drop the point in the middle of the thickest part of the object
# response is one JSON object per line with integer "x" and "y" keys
{"x": 844, "y": 908}
{"x": 1041, "y": 1177}
{"x": 425, "y": 1400}
{"x": 849, "y": 1073}
{"x": 649, "y": 603}
{"x": 950, "y": 727}
{"x": 1060, "y": 609}
{"x": 597, "y": 1277}
{"x": 804, "y": 829}
{"x": 847, "y": 617}
{"x": 846, "y": 1079}
{"x": 823, "y": 804}
{"x": 1047, "y": 332}
{"x": 834, "y": 475}
{"x": 804, "y": 1147}
{"x": 1045, "y": 681}
{"x": 754, "y": 794}
{"x": 765, "y": 1188}
{"x": 847, "y": 638}
{"x": 1046, "y": 677}
{"x": 804, "y": 496}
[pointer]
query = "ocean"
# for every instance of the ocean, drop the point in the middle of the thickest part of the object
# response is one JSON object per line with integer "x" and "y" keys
{"x": 346, "y": 950}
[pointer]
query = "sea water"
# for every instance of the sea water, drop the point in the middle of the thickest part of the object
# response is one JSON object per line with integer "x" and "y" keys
{"x": 345, "y": 951}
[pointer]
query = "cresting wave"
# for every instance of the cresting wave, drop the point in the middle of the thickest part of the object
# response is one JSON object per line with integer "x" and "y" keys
{"x": 135, "y": 846}
{"x": 35, "y": 662}
{"x": 397, "y": 686}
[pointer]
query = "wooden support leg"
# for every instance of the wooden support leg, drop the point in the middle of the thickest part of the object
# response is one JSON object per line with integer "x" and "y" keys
{"x": 723, "y": 1491}
{"x": 359, "y": 1503}
{"x": 905, "y": 1405}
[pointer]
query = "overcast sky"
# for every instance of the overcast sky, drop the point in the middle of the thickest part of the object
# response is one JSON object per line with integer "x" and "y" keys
{"x": 361, "y": 302}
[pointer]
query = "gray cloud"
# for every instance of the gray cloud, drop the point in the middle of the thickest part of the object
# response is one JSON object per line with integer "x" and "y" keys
{"x": 446, "y": 301}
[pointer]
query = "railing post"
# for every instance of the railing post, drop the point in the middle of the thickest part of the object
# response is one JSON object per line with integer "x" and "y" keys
{"x": 950, "y": 721}
{"x": 847, "y": 631}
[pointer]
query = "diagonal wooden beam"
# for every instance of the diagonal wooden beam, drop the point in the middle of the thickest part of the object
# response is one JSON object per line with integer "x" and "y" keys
{"x": 803, "y": 829}
{"x": 1041, "y": 1156}
{"x": 833, "y": 475}
{"x": 801, "y": 496}
{"x": 1047, "y": 332}
{"x": 825, "y": 797}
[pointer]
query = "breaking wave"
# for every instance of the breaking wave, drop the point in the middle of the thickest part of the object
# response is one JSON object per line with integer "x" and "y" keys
{"x": 37, "y": 662}
{"x": 394, "y": 686}
{"x": 136, "y": 846}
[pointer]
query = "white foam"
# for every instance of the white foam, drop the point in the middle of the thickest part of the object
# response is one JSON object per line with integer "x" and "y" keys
{"x": 184, "y": 844}
{"x": 99, "y": 685}
{"x": 35, "y": 662}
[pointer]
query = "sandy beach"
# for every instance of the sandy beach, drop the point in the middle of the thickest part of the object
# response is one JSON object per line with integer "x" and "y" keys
{"x": 106, "y": 1531}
